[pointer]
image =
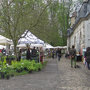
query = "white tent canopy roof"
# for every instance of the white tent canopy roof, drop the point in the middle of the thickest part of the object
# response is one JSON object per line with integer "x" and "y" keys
{"x": 48, "y": 46}
{"x": 1, "y": 47}
{"x": 63, "y": 47}
{"x": 36, "y": 45}
{"x": 4, "y": 40}
{"x": 58, "y": 47}
{"x": 30, "y": 39}
{"x": 31, "y": 46}
{"x": 21, "y": 45}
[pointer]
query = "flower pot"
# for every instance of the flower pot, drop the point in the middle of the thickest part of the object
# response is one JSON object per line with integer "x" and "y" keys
{"x": 7, "y": 77}
{"x": 19, "y": 70}
{"x": 39, "y": 69}
{"x": 7, "y": 59}
{"x": 25, "y": 69}
{"x": 2, "y": 75}
{"x": 12, "y": 75}
{"x": 30, "y": 71}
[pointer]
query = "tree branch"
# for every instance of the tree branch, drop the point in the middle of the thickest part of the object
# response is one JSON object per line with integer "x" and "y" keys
{"x": 37, "y": 19}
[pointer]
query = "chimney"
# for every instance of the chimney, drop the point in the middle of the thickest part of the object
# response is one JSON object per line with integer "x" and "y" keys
{"x": 73, "y": 17}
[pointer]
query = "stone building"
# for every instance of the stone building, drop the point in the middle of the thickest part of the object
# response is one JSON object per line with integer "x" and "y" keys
{"x": 79, "y": 33}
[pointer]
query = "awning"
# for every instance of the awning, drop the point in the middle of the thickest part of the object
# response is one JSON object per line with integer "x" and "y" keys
{"x": 4, "y": 40}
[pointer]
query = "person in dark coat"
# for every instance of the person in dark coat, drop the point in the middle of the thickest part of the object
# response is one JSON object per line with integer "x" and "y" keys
{"x": 34, "y": 52}
{"x": 87, "y": 55}
{"x": 19, "y": 55}
{"x": 28, "y": 54}
{"x": 53, "y": 53}
{"x": 34, "y": 55}
{"x": 59, "y": 54}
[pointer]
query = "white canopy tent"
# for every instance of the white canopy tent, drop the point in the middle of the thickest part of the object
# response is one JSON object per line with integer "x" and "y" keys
{"x": 5, "y": 41}
{"x": 64, "y": 47}
{"x": 31, "y": 46}
{"x": 1, "y": 47}
{"x": 48, "y": 46}
{"x": 58, "y": 47}
{"x": 30, "y": 39}
{"x": 36, "y": 45}
{"x": 21, "y": 46}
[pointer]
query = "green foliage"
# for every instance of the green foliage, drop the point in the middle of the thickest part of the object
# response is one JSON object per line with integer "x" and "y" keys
{"x": 0, "y": 54}
{"x": 48, "y": 21}
{"x": 38, "y": 66}
{"x": 25, "y": 64}
{"x": 19, "y": 68}
{"x": 54, "y": 23}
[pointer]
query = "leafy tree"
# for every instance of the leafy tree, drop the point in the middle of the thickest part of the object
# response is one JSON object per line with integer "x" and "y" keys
{"x": 16, "y": 16}
{"x": 47, "y": 19}
{"x": 59, "y": 20}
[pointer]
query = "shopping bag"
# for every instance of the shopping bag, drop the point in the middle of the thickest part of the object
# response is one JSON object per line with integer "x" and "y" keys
{"x": 84, "y": 61}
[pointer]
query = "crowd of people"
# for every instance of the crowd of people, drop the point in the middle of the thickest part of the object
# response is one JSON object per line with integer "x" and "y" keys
{"x": 32, "y": 54}
{"x": 72, "y": 54}
{"x": 37, "y": 54}
{"x": 55, "y": 53}
{"x": 3, "y": 51}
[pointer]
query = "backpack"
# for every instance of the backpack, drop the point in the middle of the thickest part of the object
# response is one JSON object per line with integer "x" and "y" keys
{"x": 73, "y": 53}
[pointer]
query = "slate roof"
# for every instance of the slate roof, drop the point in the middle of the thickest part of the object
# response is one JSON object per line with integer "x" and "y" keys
{"x": 82, "y": 13}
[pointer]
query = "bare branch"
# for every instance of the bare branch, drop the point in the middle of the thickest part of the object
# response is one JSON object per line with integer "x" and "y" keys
{"x": 37, "y": 19}
{"x": 41, "y": 14}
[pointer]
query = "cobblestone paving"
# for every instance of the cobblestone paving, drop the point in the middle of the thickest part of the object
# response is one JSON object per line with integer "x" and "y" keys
{"x": 55, "y": 76}
{"x": 73, "y": 78}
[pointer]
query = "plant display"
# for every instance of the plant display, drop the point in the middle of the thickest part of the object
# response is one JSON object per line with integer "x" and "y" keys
{"x": 4, "y": 69}
{"x": 18, "y": 68}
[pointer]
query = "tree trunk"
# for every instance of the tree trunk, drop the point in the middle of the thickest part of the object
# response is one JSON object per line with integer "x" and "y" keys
{"x": 15, "y": 49}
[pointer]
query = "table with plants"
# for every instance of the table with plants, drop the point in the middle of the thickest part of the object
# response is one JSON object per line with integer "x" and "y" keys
{"x": 21, "y": 67}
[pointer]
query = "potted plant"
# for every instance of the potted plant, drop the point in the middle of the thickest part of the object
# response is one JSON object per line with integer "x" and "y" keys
{"x": 2, "y": 75}
{"x": 7, "y": 76}
{"x": 3, "y": 72}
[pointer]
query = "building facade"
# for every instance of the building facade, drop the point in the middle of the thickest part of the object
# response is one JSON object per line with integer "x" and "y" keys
{"x": 79, "y": 33}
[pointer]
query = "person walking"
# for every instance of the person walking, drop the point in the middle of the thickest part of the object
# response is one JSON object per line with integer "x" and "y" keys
{"x": 87, "y": 56}
{"x": 53, "y": 53}
{"x": 73, "y": 56}
{"x": 59, "y": 54}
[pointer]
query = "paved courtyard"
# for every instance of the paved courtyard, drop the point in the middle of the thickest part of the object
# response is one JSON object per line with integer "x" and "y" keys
{"x": 73, "y": 78}
{"x": 55, "y": 76}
